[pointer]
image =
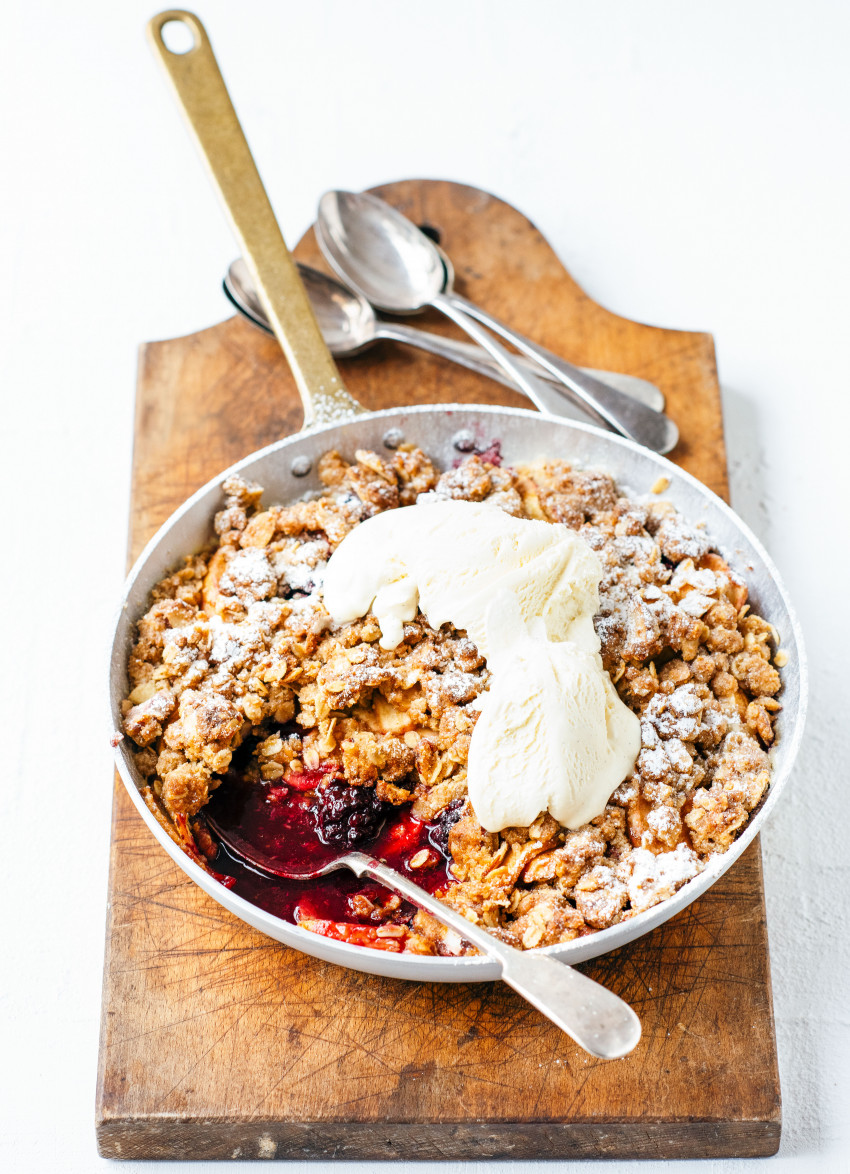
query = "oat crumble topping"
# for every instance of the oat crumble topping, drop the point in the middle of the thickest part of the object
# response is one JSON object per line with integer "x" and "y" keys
{"x": 237, "y": 651}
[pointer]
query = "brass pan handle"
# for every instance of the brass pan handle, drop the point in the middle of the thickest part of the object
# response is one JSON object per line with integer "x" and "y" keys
{"x": 202, "y": 94}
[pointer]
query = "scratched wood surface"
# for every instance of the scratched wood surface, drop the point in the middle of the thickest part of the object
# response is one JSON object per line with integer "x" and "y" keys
{"x": 220, "y": 1043}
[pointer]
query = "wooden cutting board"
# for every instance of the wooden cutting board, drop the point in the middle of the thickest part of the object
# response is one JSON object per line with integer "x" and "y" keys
{"x": 220, "y": 1043}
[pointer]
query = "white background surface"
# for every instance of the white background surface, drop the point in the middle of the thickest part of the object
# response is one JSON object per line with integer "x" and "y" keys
{"x": 688, "y": 162}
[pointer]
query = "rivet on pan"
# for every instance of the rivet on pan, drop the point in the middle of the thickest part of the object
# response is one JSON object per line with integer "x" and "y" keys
{"x": 464, "y": 441}
{"x": 393, "y": 437}
{"x": 300, "y": 466}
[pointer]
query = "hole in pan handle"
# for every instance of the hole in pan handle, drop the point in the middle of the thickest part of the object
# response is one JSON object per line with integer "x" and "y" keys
{"x": 203, "y": 97}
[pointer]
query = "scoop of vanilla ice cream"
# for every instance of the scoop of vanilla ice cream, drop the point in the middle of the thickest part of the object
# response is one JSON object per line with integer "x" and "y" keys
{"x": 553, "y": 733}
{"x": 451, "y": 558}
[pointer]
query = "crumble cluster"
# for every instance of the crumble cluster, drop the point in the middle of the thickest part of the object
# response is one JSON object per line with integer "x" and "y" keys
{"x": 237, "y": 649}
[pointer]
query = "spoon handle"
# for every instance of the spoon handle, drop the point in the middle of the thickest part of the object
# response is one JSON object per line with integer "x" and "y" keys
{"x": 618, "y": 411}
{"x": 598, "y": 1020}
{"x": 203, "y": 96}
{"x": 465, "y": 354}
{"x": 476, "y": 359}
{"x": 543, "y": 396}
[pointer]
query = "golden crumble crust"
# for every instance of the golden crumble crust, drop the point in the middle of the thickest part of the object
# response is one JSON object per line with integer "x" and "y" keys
{"x": 237, "y": 649}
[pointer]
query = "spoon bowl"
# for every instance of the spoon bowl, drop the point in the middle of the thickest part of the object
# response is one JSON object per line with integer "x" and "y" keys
{"x": 346, "y": 320}
{"x": 273, "y": 833}
{"x": 376, "y": 250}
{"x": 399, "y": 270}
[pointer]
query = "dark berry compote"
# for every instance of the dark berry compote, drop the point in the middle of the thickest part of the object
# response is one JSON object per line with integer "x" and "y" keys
{"x": 306, "y": 821}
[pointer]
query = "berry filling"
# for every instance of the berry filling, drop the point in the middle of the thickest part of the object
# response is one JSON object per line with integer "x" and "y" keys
{"x": 349, "y": 816}
{"x": 305, "y": 822}
{"x": 445, "y": 821}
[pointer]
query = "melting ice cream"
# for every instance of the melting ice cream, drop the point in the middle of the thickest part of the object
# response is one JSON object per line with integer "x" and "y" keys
{"x": 553, "y": 733}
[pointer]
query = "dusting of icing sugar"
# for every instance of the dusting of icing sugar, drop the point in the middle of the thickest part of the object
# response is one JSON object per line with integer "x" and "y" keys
{"x": 685, "y": 702}
{"x": 663, "y": 821}
{"x": 687, "y": 575}
{"x": 454, "y": 680}
{"x": 301, "y": 567}
{"x": 654, "y": 878}
{"x": 653, "y": 761}
{"x": 332, "y": 405}
{"x": 693, "y": 590}
{"x": 456, "y": 687}
{"x": 249, "y": 576}
{"x": 232, "y": 644}
{"x": 344, "y": 498}
{"x": 677, "y": 754}
{"x": 266, "y": 614}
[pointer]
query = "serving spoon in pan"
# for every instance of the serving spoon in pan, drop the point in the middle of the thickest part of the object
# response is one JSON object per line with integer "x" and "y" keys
{"x": 597, "y": 1019}
{"x": 350, "y": 325}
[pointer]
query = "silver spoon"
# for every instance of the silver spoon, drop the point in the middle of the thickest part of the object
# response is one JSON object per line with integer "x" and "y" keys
{"x": 396, "y": 275}
{"x": 598, "y": 1020}
{"x": 349, "y": 325}
{"x": 384, "y": 256}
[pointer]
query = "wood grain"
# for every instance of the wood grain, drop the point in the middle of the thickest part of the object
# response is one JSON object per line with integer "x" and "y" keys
{"x": 220, "y": 1043}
